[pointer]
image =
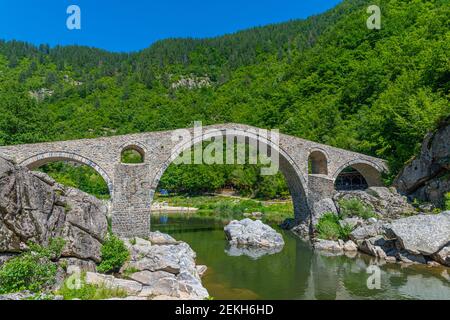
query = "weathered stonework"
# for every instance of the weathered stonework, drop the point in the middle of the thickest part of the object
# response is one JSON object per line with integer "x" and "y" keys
{"x": 132, "y": 186}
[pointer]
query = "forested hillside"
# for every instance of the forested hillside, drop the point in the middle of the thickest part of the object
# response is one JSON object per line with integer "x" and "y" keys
{"x": 327, "y": 78}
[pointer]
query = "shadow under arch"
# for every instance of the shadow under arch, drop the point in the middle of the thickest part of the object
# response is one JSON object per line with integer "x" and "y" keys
{"x": 369, "y": 170}
{"x": 294, "y": 178}
{"x": 41, "y": 159}
{"x": 318, "y": 162}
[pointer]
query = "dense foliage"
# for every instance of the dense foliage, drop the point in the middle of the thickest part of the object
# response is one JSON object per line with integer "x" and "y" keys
{"x": 78, "y": 176}
{"x": 327, "y": 78}
{"x": 447, "y": 201}
{"x": 33, "y": 270}
{"x": 114, "y": 254}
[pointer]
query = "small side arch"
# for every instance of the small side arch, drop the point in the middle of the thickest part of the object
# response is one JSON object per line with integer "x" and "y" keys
{"x": 41, "y": 159}
{"x": 318, "y": 162}
{"x": 370, "y": 171}
{"x": 139, "y": 149}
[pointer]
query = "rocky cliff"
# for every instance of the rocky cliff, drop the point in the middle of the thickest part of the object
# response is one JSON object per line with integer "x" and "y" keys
{"x": 34, "y": 208}
{"x": 427, "y": 176}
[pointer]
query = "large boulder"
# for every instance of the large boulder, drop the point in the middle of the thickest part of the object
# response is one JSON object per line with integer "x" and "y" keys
{"x": 162, "y": 267}
{"x": 319, "y": 208}
{"x": 421, "y": 234}
{"x": 33, "y": 207}
{"x": 251, "y": 233}
{"x": 366, "y": 231}
{"x": 443, "y": 256}
{"x": 426, "y": 176}
{"x": 386, "y": 202}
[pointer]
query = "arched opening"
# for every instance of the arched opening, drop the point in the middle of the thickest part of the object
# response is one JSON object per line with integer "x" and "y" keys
{"x": 132, "y": 154}
{"x": 357, "y": 176}
{"x": 287, "y": 182}
{"x": 317, "y": 163}
{"x": 73, "y": 171}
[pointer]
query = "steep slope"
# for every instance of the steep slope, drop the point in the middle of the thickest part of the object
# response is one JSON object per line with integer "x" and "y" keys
{"x": 327, "y": 79}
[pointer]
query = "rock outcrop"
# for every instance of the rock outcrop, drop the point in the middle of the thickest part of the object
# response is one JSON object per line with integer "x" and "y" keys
{"x": 250, "y": 233}
{"x": 423, "y": 239}
{"x": 158, "y": 269}
{"x": 427, "y": 176}
{"x": 385, "y": 202}
{"x": 33, "y": 207}
{"x": 421, "y": 234}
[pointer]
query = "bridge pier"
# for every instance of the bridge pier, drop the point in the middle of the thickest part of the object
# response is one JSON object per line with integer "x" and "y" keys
{"x": 319, "y": 187}
{"x": 131, "y": 201}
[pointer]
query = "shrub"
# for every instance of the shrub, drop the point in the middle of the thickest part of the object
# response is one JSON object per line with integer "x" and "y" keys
{"x": 355, "y": 208}
{"x": 329, "y": 228}
{"x": 114, "y": 255}
{"x": 447, "y": 201}
{"x": 33, "y": 270}
{"x": 89, "y": 291}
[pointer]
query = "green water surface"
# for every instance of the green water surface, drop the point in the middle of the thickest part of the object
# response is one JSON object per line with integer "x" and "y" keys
{"x": 297, "y": 272}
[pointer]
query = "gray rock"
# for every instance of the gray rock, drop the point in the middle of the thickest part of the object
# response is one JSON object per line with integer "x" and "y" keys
{"x": 253, "y": 234}
{"x": 385, "y": 202}
{"x": 443, "y": 256}
{"x": 421, "y": 234}
{"x": 161, "y": 238}
{"x": 5, "y": 257}
{"x": 169, "y": 258}
{"x": 350, "y": 246}
{"x": 78, "y": 264}
{"x": 351, "y": 222}
{"x": 130, "y": 287}
{"x": 422, "y": 177}
{"x": 366, "y": 231}
{"x": 368, "y": 246}
{"x": 257, "y": 215}
{"x": 33, "y": 207}
{"x": 164, "y": 270}
{"x": 302, "y": 230}
{"x": 147, "y": 277}
{"x": 407, "y": 257}
{"x": 329, "y": 245}
{"x": 320, "y": 208}
{"x": 201, "y": 269}
{"x": 372, "y": 220}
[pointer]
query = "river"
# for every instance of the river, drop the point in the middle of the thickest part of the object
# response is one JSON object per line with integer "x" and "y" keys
{"x": 298, "y": 272}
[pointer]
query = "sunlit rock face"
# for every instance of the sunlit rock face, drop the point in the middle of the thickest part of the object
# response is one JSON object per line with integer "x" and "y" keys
{"x": 33, "y": 207}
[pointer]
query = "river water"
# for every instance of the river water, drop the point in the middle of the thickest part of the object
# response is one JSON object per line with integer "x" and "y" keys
{"x": 298, "y": 272}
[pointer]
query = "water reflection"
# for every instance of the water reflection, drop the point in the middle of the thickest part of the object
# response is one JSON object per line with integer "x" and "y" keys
{"x": 253, "y": 253}
{"x": 297, "y": 272}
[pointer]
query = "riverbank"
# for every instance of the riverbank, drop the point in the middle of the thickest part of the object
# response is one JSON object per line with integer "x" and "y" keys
{"x": 219, "y": 206}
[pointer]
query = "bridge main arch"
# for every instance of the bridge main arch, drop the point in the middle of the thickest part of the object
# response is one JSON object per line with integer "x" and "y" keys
{"x": 287, "y": 166}
{"x": 44, "y": 158}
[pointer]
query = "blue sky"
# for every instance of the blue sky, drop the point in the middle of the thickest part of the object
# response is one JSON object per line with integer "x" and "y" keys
{"x": 129, "y": 25}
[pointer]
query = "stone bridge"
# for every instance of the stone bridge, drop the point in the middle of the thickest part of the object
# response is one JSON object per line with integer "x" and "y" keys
{"x": 310, "y": 168}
